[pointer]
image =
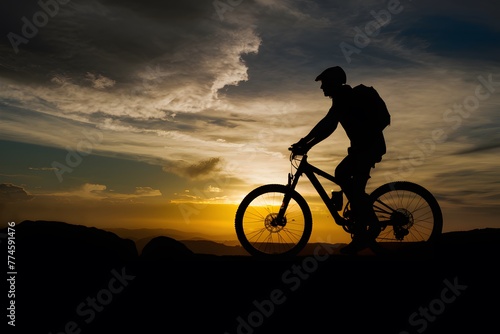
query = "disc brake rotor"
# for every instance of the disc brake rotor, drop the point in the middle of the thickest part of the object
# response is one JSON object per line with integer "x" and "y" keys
{"x": 272, "y": 224}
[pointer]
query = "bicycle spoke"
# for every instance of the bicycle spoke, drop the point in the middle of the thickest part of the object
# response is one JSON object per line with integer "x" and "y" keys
{"x": 407, "y": 213}
{"x": 263, "y": 231}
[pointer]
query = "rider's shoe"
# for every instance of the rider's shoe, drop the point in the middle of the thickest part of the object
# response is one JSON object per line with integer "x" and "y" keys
{"x": 358, "y": 243}
{"x": 362, "y": 240}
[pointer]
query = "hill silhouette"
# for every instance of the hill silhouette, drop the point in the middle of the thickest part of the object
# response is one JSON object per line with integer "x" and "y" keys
{"x": 142, "y": 233}
{"x": 73, "y": 278}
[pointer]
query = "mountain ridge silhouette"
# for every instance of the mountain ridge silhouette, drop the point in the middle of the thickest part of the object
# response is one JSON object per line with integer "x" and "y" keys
{"x": 98, "y": 282}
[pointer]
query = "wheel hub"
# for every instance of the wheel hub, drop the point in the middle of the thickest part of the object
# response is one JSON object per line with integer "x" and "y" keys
{"x": 402, "y": 221}
{"x": 273, "y": 224}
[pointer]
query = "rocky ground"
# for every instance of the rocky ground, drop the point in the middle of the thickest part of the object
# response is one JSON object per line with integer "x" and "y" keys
{"x": 75, "y": 279}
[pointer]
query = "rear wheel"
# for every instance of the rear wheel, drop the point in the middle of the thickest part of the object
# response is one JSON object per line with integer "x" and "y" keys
{"x": 410, "y": 217}
{"x": 262, "y": 234}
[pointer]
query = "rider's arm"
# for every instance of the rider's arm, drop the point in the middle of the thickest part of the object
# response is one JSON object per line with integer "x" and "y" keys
{"x": 322, "y": 130}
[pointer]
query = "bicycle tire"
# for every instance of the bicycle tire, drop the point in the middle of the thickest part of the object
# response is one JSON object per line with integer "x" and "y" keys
{"x": 415, "y": 217}
{"x": 254, "y": 223}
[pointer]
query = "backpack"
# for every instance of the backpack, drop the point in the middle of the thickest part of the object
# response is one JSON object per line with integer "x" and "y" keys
{"x": 368, "y": 102}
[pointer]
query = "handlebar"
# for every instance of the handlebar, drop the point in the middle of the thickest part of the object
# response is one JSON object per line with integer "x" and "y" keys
{"x": 297, "y": 151}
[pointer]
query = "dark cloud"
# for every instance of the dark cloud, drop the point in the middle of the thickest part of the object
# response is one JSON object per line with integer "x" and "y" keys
{"x": 13, "y": 193}
{"x": 479, "y": 148}
{"x": 203, "y": 168}
{"x": 170, "y": 121}
{"x": 200, "y": 170}
{"x": 480, "y": 132}
{"x": 448, "y": 36}
{"x": 455, "y": 174}
{"x": 114, "y": 39}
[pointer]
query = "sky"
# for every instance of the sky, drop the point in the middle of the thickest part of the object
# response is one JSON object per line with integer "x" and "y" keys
{"x": 165, "y": 114}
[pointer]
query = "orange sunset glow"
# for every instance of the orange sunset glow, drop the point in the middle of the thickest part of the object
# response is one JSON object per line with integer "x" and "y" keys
{"x": 115, "y": 115}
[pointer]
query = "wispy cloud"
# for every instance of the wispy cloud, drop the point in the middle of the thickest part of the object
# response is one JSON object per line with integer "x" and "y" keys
{"x": 43, "y": 169}
{"x": 100, "y": 192}
{"x": 13, "y": 193}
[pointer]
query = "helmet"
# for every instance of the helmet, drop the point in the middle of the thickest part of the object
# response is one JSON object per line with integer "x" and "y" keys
{"x": 334, "y": 74}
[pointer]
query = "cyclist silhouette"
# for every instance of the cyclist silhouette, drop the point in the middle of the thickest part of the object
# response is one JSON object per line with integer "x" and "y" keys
{"x": 367, "y": 146}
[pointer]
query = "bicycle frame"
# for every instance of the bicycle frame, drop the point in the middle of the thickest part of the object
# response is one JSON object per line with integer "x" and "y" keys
{"x": 407, "y": 214}
{"x": 311, "y": 171}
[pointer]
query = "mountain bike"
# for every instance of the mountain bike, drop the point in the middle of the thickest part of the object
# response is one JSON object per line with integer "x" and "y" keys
{"x": 274, "y": 220}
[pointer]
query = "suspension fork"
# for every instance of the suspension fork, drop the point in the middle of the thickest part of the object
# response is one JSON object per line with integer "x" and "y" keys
{"x": 293, "y": 179}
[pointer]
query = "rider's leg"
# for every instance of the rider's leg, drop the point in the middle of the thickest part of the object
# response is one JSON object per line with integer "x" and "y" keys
{"x": 352, "y": 175}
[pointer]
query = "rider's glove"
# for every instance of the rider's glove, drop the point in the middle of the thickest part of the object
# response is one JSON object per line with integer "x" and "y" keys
{"x": 300, "y": 147}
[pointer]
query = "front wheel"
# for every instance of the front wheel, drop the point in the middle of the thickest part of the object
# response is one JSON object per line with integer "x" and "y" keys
{"x": 258, "y": 229}
{"x": 409, "y": 216}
